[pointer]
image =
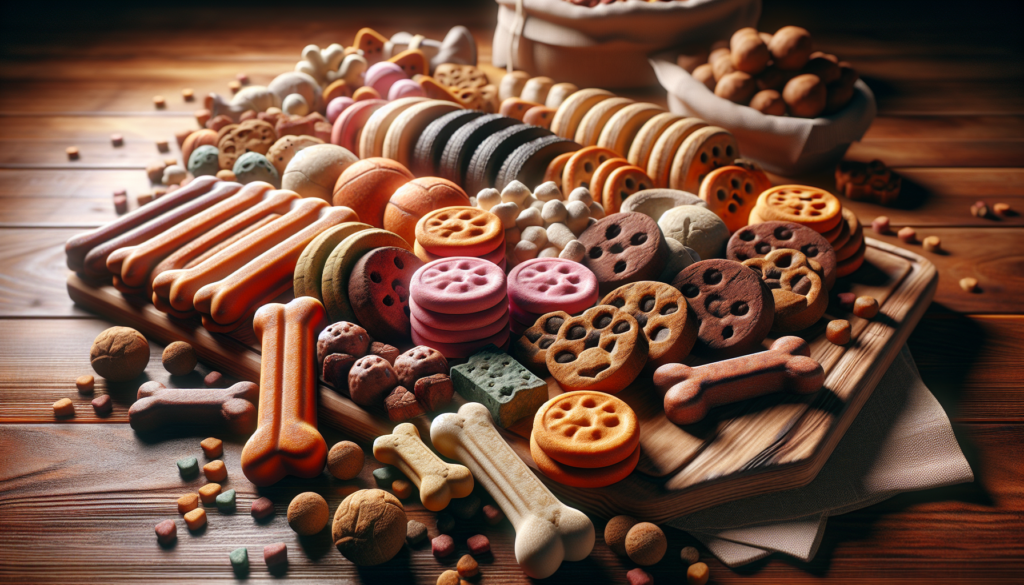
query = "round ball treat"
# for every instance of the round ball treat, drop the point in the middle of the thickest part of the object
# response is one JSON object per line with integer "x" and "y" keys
{"x": 736, "y": 87}
{"x": 790, "y": 47}
{"x": 378, "y": 290}
{"x": 370, "y": 380}
{"x": 204, "y": 137}
{"x": 655, "y": 202}
{"x": 418, "y": 197}
{"x": 760, "y": 239}
{"x": 624, "y": 248}
{"x": 314, "y": 171}
{"x": 285, "y": 149}
{"x": 805, "y": 95}
{"x": 646, "y": 544}
{"x": 342, "y": 337}
{"x": 203, "y": 161}
{"x": 308, "y": 513}
{"x": 179, "y": 358}
{"x": 696, "y": 227}
{"x": 367, "y": 186}
{"x": 345, "y": 460}
{"x": 419, "y": 362}
{"x": 770, "y": 102}
{"x": 119, "y": 354}
{"x": 689, "y": 555}
{"x": 748, "y": 51}
{"x": 615, "y": 533}
{"x": 253, "y": 166}
{"x": 369, "y": 527}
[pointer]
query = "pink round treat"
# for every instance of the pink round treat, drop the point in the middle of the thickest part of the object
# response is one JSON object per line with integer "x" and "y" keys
{"x": 523, "y": 317}
{"x": 345, "y": 132}
{"x": 542, "y": 285}
{"x": 381, "y": 76}
{"x": 458, "y": 285}
{"x": 466, "y": 349}
{"x": 464, "y": 322}
{"x": 404, "y": 88}
{"x": 445, "y": 336}
{"x": 337, "y": 106}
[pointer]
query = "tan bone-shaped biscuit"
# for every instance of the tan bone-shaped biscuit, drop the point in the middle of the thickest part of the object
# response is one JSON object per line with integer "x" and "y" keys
{"x": 547, "y": 531}
{"x": 233, "y": 408}
{"x": 437, "y": 481}
{"x": 691, "y": 392}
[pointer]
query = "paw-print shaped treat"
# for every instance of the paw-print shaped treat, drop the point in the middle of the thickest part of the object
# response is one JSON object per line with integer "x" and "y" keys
{"x": 808, "y": 206}
{"x": 378, "y": 290}
{"x": 800, "y": 297}
{"x": 460, "y": 231}
{"x": 760, "y": 239}
{"x": 456, "y": 286}
{"x": 419, "y": 362}
{"x": 531, "y": 349}
{"x": 496, "y": 380}
{"x": 624, "y": 248}
{"x": 702, "y": 152}
{"x": 732, "y": 303}
{"x": 342, "y": 337}
{"x": 664, "y": 316}
{"x": 602, "y": 349}
{"x": 586, "y": 429}
{"x": 543, "y": 285}
{"x": 731, "y": 192}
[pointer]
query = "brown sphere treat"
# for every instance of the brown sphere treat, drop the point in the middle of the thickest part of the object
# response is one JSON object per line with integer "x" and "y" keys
{"x": 773, "y": 78}
{"x": 865, "y": 307}
{"x": 749, "y": 53}
{"x": 805, "y": 95}
{"x": 769, "y": 101}
{"x": 336, "y": 369}
{"x": 370, "y": 380}
{"x": 448, "y": 578}
{"x": 419, "y": 362}
{"x": 226, "y": 175}
{"x": 179, "y": 358}
{"x": 907, "y": 234}
{"x": 388, "y": 352}
{"x": 418, "y": 197}
{"x": 689, "y": 555}
{"x": 721, "y": 68}
{"x": 369, "y": 527}
{"x": 345, "y": 460}
{"x": 719, "y": 53}
{"x": 969, "y": 284}
{"x": 402, "y": 488}
{"x": 840, "y": 91}
{"x": 342, "y": 337}
{"x": 368, "y": 185}
{"x": 646, "y": 544}
{"x": 790, "y": 47}
{"x": 826, "y": 67}
{"x": 697, "y": 574}
{"x": 119, "y": 354}
{"x": 736, "y": 87}
{"x": 86, "y": 384}
{"x": 213, "y": 380}
{"x": 880, "y": 224}
{"x": 705, "y": 74}
{"x": 932, "y": 244}
{"x": 308, "y": 513}
{"x": 838, "y": 331}
{"x": 467, "y": 567}
{"x": 615, "y": 533}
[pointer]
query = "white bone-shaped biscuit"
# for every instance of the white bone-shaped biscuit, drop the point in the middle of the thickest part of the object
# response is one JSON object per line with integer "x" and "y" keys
{"x": 437, "y": 481}
{"x": 547, "y": 531}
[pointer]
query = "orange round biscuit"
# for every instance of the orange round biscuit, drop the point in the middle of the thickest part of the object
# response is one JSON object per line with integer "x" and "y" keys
{"x": 622, "y": 183}
{"x": 601, "y": 176}
{"x": 839, "y": 235}
{"x": 587, "y": 429}
{"x": 579, "y": 477}
{"x": 539, "y": 116}
{"x": 731, "y": 192}
{"x": 856, "y": 240}
{"x": 809, "y": 206}
{"x": 579, "y": 169}
{"x": 555, "y": 168}
{"x": 851, "y": 264}
{"x": 659, "y": 163}
{"x": 702, "y": 152}
{"x": 473, "y": 231}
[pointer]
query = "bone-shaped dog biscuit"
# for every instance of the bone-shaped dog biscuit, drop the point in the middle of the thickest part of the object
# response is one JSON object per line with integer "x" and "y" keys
{"x": 437, "y": 481}
{"x": 547, "y": 531}
{"x": 287, "y": 441}
{"x": 691, "y": 392}
{"x": 233, "y": 408}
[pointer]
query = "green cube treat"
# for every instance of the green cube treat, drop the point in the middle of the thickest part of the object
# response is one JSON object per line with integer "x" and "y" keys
{"x": 240, "y": 559}
{"x": 226, "y": 501}
{"x": 386, "y": 475}
{"x": 188, "y": 467}
{"x": 496, "y": 380}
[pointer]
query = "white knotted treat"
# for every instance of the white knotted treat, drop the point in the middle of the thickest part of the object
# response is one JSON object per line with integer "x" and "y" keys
{"x": 515, "y": 192}
{"x": 437, "y": 481}
{"x": 537, "y": 235}
{"x": 529, "y": 217}
{"x": 548, "y": 191}
{"x": 488, "y": 198}
{"x": 295, "y": 105}
{"x": 581, "y": 194}
{"x": 524, "y": 251}
{"x": 596, "y": 211}
{"x": 577, "y": 214}
{"x": 352, "y": 70}
{"x": 547, "y": 531}
{"x": 507, "y": 213}
{"x": 321, "y": 64}
{"x": 574, "y": 251}
{"x": 554, "y": 212}
{"x": 549, "y": 252}
{"x": 559, "y": 235}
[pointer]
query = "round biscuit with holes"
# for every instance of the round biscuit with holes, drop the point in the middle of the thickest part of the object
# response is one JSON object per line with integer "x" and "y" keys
{"x": 808, "y": 206}
{"x": 579, "y": 169}
{"x": 797, "y": 288}
{"x": 378, "y": 290}
{"x": 601, "y": 349}
{"x": 586, "y": 429}
{"x": 731, "y": 192}
{"x": 702, "y": 152}
{"x": 459, "y": 231}
{"x": 664, "y": 316}
{"x": 624, "y": 248}
{"x": 621, "y": 184}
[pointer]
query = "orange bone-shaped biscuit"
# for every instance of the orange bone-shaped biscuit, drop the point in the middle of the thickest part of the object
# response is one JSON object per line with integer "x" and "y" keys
{"x": 287, "y": 441}
{"x": 437, "y": 480}
{"x": 691, "y": 392}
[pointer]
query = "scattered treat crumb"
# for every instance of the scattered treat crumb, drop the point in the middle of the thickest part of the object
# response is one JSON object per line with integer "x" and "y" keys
{"x": 202, "y": 117}
{"x": 345, "y": 460}
{"x": 639, "y": 576}
{"x": 72, "y": 152}
{"x": 179, "y": 358}
{"x": 226, "y": 502}
{"x": 865, "y": 307}
{"x": 689, "y": 555}
{"x": 86, "y": 384}
{"x": 234, "y": 86}
{"x": 180, "y": 138}
{"x": 120, "y": 204}
{"x": 307, "y": 513}
{"x": 212, "y": 447}
{"x": 188, "y": 94}
{"x": 979, "y": 209}
{"x": 445, "y": 522}
{"x": 467, "y": 567}
{"x": 442, "y": 546}
{"x": 1002, "y": 210}
{"x": 239, "y": 560}
{"x": 159, "y": 102}
{"x": 932, "y": 244}
{"x": 478, "y": 544}
{"x": 209, "y": 492}
{"x": 415, "y": 532}
{"x": 448, "y": 578}
{"x": 385, "y": 476}
{"x": 64, "y": 408}
{"x": 242, "y": 78}
{"x": 402, "y": 488}
{"x": 188, "y": 467}
{"x": 838, "y": 331}
{"x": 155, "y": 172}
{"x": 697, "y": 574}
{"x": 646, "y": 544}
{"x": 880, "y": 224}
{"x": 215, "y": 471}
{"x": 196, "y": 519}
{"x": 969, "y": 284}
{"x": 187, "y": 503}
{"x": 275, "y": 554}
{"x": 166, "y": 532}
{"x": 116, "y": 140}
{"x": 213, "y": 380}
{"x": 846, "y": 300}
{"x": 261, "y": 508}
{"x": 102, "y": 405}
{"x": 493, "y": 514}
{"x": 465, "y": 508}
{"x": 615, "y": 533}
{"x": 907, "y": 234}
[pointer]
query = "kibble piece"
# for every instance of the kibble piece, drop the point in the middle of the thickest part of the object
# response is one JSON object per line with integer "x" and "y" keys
{"x": 388, "y": 352}
{"x": 179, "y": 358}
{"x": 345, "y": 460}
{"x": 846, "y": 300}
{"x": 159, "y": 101}
{"x": 308, "y": 513}
{"x": 188, "y": 467}
{"x": 242, "y": 78}
{"x": 478, "y": 544}
{"x": 932, "y": 244}
{"x": 465, "y": 508}
{"x": 239, "y": 559}
{"x": 215, "y": 471}
{"x": 697, "y": 574}
{"x": 880, "y": 224}
{"x": 212, "y": 447}
{"x": 639, "y": 576}
{"x": 64, "y": 408}
{"x": 144, "y": 199}
{"x": 467, "y": 567}
{"x": 445, "y": 522}
{"x": 689, "y": 555}
{"x": 166, "y": 532}
{"x": 117, "y": 140}
{"x": 234, "y": 86}
{"x": 72, "y": 152}
{"x": 838, "y": 331}
{"x": 213, "y": 380}
{"x": 188, "y": 94}
{"x": 615, "y": 533}
{"x": 865, "y": 307}
{"x": 448, "y": 578}
{"x": 969, "y": 284}
{"x": 120, "y": 204}
{"x": 415, "y": 532}
{"x": 442, "y": 546}
{"x": 907, "y": 234}
{"x": 275, "y": 554}
{"x": 261, "y": 508}
{"x": 86, "y": 384}
{"x": 493, "y": 514}
{"x": 102, "y": 405}
{"x": 202, "y": 117}
{"x": 187, "y": 503}
{"x": 979, "y": 209}
{"x": 646, "y": 544}
{"x": 1002, "y": 209}
{"x": 196, "y": 519}
{"x": 385, "y": 476}
{"x": 162, "y": 146}
{"x": 402, "y": 488}
{"x": 209, "y": 492}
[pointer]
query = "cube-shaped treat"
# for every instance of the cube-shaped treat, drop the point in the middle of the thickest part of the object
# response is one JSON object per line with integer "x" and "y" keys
{"x": 496, "y": 380}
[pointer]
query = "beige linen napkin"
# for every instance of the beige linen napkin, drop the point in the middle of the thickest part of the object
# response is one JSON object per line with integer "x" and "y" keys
{"x": 901, "y": 441}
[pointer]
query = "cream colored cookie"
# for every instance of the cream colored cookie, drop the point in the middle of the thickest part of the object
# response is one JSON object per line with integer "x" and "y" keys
{"x": 645, "y": 139}
{"x": 623, "y": 126}
{"x": 659, "y": 165}
{"x": 594, "y": 120}
{"x": 702, "y": 152}
{"x": 572, "y": 110}
{"x": 403, "y": 133}
{"x": 371, "y": 140}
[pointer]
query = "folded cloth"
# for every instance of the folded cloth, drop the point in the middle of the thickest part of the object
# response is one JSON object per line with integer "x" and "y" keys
{"x": 901, "y": 441}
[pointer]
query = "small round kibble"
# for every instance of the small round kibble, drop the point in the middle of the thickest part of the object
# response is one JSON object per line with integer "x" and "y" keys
{"x": 448, "y": 578}
{"x": 307, "y": 514}
{"x": 402, "y": 488}
{"x": 86, "y": 384}
{"x": 646, "y": 544}
{"x": 467, "y": 567}
{"x": 689, "y": 555}
{"x": 102, "y": 405}
{"x": 261, "y": 508}
{"x": 64, "y": 407}
{"x": 969, "y": 284}
{"x": 166, "y": 532}
{"x": 345, "y": 460}
{"x": 442, "y": 546}
{"x": 907, "y": 234}
{"x": 838, "y": 331}
{"x": 846, "y": 300}
{"x": 615, "y": 533}
{"x": 179, "y": 358}
{"x": 697, "y": 574}
{"x": 119, "y": 354}
{"x": 932, "y": 244}
{"x": 117, "y": 140}
{"x": 880, "y": 224}
{"x": 478, "y": 544}
{"x": 188, "y": 94}
{"x": 865, "y": 307}
{"x": 159, "y": 101}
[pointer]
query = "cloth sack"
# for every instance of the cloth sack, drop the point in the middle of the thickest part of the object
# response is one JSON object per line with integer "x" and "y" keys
{"x": 608, "y": 45}
{"x": 901, "y": 441}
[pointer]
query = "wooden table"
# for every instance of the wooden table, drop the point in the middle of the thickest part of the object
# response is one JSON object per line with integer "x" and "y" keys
{"x": 79, "y": 499}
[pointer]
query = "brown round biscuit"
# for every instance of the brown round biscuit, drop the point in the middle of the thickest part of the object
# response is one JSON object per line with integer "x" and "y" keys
{"x": 666, "y": 318}
{"x": 249, "y": 136}
{"x": 797, "y": 289}
{"x": 758, "y": 240}
{"x": 624, "y": 248}
{"x": 602, "y": 349}
{"x": 378, "y": 290}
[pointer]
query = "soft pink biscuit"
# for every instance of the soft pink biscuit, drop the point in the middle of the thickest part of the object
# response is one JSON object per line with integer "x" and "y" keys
{"x": 444, "y": 336}
{"x": 458, "y": 285}
{"x": 466, "y": 349}
{"x": 381, "y": 76}
{"x": 346, "y": 129}
{"x": 527, "y": 318}
{"x": 464, "y": 322}
{"x": 542, "y": 285}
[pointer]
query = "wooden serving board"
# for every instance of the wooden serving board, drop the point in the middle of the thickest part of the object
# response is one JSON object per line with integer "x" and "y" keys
{"x": 758, "y": 446}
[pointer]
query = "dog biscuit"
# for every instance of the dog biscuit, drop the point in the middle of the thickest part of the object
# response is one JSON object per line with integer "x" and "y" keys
{"x": 437, "y": 481}
{"x": 602, "y": 349}
{"x": 624, "y": 248}
{"x": 702, "y": 152}
{"x": 508, "y": 390}
{"x": 760, "y": 239}
{"x": 232, "y": 408}
{"x": 808, "y": 206}
{"x": 586, "y": 429}
{"x": 378, "y": 291}
{"x": 664, "y": 316}
{"x": 800, "y": 297}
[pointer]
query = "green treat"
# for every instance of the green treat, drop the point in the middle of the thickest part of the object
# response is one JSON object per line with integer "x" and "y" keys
{"x": 226, "y": 501}
{"x": 188, "y": 467}
{"x": 496, "y": 380}
{"x": 386, "y": 475}
{"x": 240, "y": 559}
